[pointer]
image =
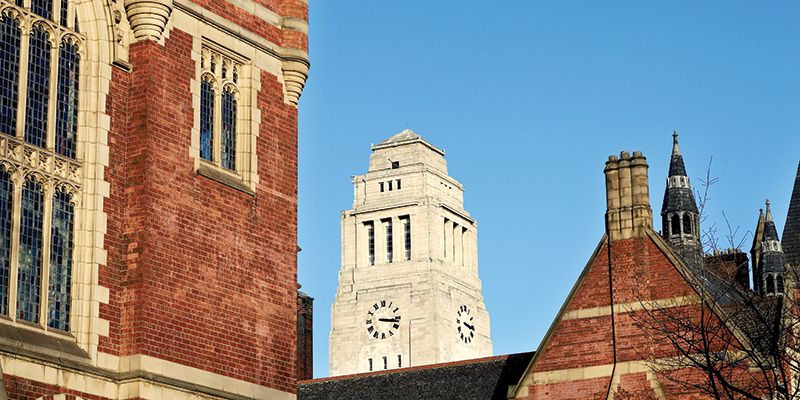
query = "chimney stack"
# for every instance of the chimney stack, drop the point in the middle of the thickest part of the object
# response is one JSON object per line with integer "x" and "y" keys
{"x": 627, "y": 196}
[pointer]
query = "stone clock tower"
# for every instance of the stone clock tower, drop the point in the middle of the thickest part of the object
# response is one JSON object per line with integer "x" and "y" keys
{"x": 409, "y": 292}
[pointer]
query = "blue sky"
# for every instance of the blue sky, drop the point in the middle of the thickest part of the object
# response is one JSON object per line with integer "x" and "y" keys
{"x": 529, "y": 98}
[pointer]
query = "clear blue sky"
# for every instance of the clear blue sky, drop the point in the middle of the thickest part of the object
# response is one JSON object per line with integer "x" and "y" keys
{"x": 529, "y": 98}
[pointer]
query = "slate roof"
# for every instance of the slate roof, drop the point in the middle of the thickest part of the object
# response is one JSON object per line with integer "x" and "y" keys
{"x": 480, "y": 379}
{"x": 791, "y": 229}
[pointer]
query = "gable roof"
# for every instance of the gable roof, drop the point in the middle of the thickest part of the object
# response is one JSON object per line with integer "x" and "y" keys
{"x": 480, "y": 379}
{"x": 722, "y": 299}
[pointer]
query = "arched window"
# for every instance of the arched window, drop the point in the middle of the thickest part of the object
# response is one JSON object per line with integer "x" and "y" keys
{"x": 60, "y": 260}
{"x": 675, "y": 224}
{"x": 687, "y": 224}
{"x": 40, "y": 69}
{"x": 779, "y": 284}
{"x": 770, "y": 285}
{"x": 219, "y": 108}
{"x": 9, "y": 73}
{"x": 229, "y": 128}
{"x": 207, "y": 97}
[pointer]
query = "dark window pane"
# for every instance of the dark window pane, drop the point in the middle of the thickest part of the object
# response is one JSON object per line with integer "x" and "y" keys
{"x": 38, "y": 88}
{"x": 206, "y": 120}
{"x": 6, "y": 196}
{"x": 30, "y": 252}
{"x": 64, "y": 7}
{"x": 228, "y": 139}
{"x": 9, "y": 74}
{"x": 60, "y": 262}
{"x": 43, "y": 8}
{"x": 67, "y": 121}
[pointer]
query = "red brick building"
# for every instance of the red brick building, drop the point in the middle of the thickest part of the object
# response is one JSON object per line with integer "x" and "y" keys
{"x": 630, "y": 326}
{"x": 148, "y": 198}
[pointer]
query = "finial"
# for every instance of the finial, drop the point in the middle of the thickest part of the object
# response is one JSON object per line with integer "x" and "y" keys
{"x": 769, "y": 211}
{"x": 675, "y": 149}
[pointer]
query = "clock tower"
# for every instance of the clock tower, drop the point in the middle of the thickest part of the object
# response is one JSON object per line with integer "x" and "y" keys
{"x": 409, "y": 292}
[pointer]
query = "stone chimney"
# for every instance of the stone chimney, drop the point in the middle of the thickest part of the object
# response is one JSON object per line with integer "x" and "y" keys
{"x": 628, "y": 212}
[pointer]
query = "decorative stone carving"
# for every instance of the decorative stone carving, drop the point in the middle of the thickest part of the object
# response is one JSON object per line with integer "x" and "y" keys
{"x": 295, "y": 73}
{"x": 148, "y": 18}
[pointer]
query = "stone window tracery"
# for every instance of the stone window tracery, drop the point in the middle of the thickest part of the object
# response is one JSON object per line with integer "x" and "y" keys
{"x": 219, "y": 108}
{"x": 40, "y": 173}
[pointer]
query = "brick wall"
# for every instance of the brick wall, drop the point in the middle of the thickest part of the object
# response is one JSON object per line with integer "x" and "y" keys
{"x": 305, "y": 336}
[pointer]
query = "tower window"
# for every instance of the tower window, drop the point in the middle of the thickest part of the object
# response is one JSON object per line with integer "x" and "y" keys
{"x": 687, "y": 224}
{"x": 380, "y": 184}
{"x": 370, "y": 241}
{"x": 779, "y": 284}
{"x": 398, "y": 184}
{"x": 369, "y": 360}
{"x": 406, "y": 237}
{"x": 399, "y": 361}
{"x": 390, "y": 185}
{"x": 395, "y": 164}
{"x": 387, "y": 228}
{"x": 385, "y": 363}
{"x": 675, "y": 224}
{"x": 770, "y": 284}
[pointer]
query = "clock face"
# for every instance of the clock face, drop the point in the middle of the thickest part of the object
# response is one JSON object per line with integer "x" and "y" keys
{"x": 383, "y": 320}
{"x": 465, "y": 324}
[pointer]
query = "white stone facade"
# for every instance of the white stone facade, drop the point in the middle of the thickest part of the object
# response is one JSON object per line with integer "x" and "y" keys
{"x": 401, "y": 305}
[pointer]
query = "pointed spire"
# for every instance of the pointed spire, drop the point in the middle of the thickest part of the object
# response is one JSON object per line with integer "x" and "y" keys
{"x": 676, "y": 167}
{"x": 770, "y": 232}
{"x": 680, "y": 218}
{"x": 791, "y": 230}
{"x": 675, "y": 149}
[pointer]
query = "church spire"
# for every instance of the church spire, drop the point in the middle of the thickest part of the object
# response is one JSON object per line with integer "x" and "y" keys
{"x": 791, "y": 232}
{"x": 770, "y": 263}
{"x": 679, "y": 215}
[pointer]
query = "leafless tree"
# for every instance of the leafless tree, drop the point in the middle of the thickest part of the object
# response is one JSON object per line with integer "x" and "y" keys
{"x": 728, "y": 342}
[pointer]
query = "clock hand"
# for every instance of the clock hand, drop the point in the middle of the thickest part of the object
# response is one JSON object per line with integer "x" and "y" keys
{"x": 469, "y": 326}
{"x": 388, "y": 320}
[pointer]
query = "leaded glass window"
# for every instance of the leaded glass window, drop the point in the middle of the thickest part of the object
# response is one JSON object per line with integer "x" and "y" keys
{"x": 60, "y": 261}
{"x": 229, "y": 128}
{"x": 6, "y": 208}
{"x": 40, "y": 170}
{"x": 38, "y": 87}
{"x": 9, "y": 73}
{"x": 219, "y": 108}
{"x": 43, "y": 8}
{"x": 30, "y": 251}
{"x": 207, "y": 118}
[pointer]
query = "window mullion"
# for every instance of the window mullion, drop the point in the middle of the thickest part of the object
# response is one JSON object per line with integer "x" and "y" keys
{"x": 47, "y": 222}
{"x": 52, "y": 101}
{"x": 22, "y": 94}
{"x": 57, "y": 11}
{"x": 216, "y": 149}
{"x": 16, "y": 219}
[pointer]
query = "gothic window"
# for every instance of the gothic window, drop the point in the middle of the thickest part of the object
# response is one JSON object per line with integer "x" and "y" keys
{"x": 38, "y": 86}
{"x": 779, "y": 284}
{"x": 687, "y": 224}
{"x": 219, "y": 109}
{"x": 228, "y": 128}
{"x": 675, "y": 224}
{"x": 770, "y": 285}
{"x": 207, "y": 117}
{"x": 9, "y": 73}
{"x": 40, "y": 64}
